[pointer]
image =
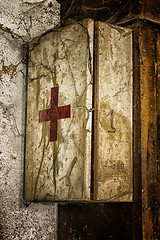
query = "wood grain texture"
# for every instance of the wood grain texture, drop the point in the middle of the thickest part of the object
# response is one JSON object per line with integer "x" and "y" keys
{"x": 150, "y": 10}
{"x": 146, "y": 103}
{"x": 95, "y": 221}
{"x": 111, "y": 11}
{"x": 149, "y": 148}
{"x": 137, "y": 190}
{"x": 158, "y": 124}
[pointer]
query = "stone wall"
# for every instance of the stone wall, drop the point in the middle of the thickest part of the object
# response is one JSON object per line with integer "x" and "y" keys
{"x": 20, "y": 21}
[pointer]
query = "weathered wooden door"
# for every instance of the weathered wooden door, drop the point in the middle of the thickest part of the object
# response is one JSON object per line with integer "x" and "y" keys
{"x": 113, "y": 113}
{"x": 59, "y": 114}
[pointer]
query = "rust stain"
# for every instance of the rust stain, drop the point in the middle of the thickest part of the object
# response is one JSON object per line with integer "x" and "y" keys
{"x": 54, "y": 76}
{"x": 45, "y": 142}
{"x": 11, "y": 69}
{"x": 44, "y": 128}
{"x": 37, "y": 90}
{"x": 39, "y": 171}
{"x": 67, "y": 177}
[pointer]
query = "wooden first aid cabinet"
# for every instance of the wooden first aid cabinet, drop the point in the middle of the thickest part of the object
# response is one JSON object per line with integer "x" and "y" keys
{"x": 79, "y": 114}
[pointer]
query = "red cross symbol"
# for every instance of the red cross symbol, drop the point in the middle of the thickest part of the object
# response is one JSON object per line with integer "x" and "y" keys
{"x": 54, "y": 113}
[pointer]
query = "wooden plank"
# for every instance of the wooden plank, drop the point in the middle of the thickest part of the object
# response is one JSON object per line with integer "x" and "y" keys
{"x": 148, "y": 88}
{"x": 158, "y": 126}
{"x": 111, "y": 11}
{"x": 95, "y": 221}
{"x": 113, "y": 114}
{"x": 137, "y": 188}
{"x": 136, "y": 119}
{"x": 61, "y": 61}
{"x": 150, "y": 10}
{"x": 114, "y": 12}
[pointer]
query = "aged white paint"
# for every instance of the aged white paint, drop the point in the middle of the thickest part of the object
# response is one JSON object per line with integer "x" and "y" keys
{"x": 113, "y": 103}
{"x": 60, "y": 170}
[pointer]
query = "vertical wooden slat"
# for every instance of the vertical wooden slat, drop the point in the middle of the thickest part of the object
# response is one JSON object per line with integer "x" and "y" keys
{"x": 136, "y": 120}
{"x": 137, "y": 226}
{"x": 158, "y": 122}
{"x": 147, "y": 41}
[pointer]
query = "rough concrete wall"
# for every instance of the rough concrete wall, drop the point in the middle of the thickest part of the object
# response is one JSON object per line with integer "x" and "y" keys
{"x": 20, "y": 20}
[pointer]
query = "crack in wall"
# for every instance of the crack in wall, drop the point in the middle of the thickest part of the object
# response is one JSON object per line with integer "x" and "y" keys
{"x": 7, "y": 110}
{"x": 34, "y": 4}
{"x": 11, "y": 32}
